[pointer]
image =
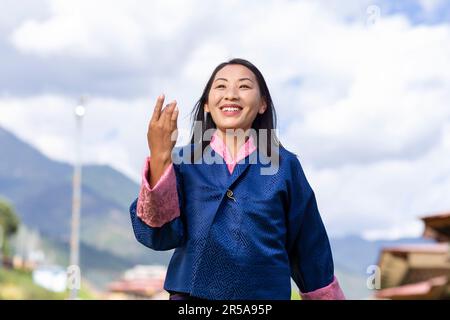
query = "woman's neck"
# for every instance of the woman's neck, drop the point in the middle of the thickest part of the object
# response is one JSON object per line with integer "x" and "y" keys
{"x": 233, "y": 141}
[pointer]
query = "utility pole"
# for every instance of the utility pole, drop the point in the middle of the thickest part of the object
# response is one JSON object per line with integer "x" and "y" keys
{"x": 1, "y": 245}
{"x": 76, "y": 199}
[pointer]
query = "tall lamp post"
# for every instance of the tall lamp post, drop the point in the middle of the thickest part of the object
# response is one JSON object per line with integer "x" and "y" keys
{"x": 1, "y": 245}
{"x": 76, "y": 197}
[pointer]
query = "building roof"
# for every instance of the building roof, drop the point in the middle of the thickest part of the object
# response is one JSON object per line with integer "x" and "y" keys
{"x": 407, "y": 264}
{"x": 418, "y": 248}
{"x": 437, "y": 226}
{"x": 418, "y": 271}
{"x": 433, "y": 288}
{"x": 140, "y": 287}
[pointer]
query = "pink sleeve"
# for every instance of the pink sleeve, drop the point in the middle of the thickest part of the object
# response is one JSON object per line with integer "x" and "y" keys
{"x": 330, "y": 292}
{"x": 158, "y": 205}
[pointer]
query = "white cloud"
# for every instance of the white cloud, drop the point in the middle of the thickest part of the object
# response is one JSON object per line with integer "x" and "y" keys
{"x": 101, "y": 28}
{"x": 386, "y": 195}
{"x": 394, "y": 105}
{"x": 412, "y": 229}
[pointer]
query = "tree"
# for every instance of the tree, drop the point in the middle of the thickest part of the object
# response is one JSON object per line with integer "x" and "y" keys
{"x": 9, "y": 224}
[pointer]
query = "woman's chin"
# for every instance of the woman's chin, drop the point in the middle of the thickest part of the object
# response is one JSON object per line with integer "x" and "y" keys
{"x": 230, "y": 124}
{"x": 229, "y": 127}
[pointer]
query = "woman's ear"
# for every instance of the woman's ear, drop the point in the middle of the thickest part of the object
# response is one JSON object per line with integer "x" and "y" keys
{"x": 206, "y": 107}
{"x": 263, "y": 106}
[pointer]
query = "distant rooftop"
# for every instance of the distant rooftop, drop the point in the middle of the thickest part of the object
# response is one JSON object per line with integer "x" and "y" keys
{"x": 437, "y": 227}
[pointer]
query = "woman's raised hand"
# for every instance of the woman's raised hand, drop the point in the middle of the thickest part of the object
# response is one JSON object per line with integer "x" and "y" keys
{"x": 162, "y": 130}
{"x": 161, "y": 137}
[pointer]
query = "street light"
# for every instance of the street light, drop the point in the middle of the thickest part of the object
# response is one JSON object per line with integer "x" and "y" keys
{"x": 76, "y": 200}
{"x": 1, "y": 245}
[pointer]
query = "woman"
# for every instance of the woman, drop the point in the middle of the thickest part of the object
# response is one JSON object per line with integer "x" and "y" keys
{"x": 242, "y": 224}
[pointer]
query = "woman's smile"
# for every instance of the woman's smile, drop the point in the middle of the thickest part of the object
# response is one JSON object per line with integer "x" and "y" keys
{"x": 231, "y": 110}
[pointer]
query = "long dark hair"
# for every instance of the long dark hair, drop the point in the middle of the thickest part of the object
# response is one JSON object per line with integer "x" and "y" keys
{"x": 267, "y": 120}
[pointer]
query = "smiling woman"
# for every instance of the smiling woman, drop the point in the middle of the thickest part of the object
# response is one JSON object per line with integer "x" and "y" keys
{"x": 236, "y": 97}
{"x": 238, "y": 233}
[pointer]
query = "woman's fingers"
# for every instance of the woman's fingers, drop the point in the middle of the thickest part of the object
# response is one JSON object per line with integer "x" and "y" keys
{"x": 162, "y": 119}
{"x": 157, "y": 111}
{"x": 168, "y": 115}
{"x": 173, "y": 123}
{"x": 162, "y": 133}
{"x": 173, "y": 119}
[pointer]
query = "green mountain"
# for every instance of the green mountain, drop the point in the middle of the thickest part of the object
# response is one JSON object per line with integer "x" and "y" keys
{"x": 41, "y": 191}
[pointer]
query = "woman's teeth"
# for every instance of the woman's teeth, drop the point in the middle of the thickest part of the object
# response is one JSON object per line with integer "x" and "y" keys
{"x": 231, "y": 109}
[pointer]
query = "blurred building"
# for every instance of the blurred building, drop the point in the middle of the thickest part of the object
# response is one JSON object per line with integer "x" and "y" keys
{"x": 140, "y": 282}
{"x": 50, "y": 277}
{"x": 31, "y": 261}
{"x": 418, "y": 271}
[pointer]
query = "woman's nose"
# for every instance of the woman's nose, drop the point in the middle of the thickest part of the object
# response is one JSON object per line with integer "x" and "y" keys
{"x": 231, "y": 94}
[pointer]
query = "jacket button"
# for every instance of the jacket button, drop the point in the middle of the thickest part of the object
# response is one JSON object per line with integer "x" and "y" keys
{"x": 230, "y": 194}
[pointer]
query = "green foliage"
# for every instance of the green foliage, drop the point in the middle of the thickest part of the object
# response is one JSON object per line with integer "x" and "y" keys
{"x": 9, "y": 224}
{"x": 18, "y": 285}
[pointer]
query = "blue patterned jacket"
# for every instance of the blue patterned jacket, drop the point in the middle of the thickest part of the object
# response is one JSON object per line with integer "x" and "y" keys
{"x": 242, "y": 235}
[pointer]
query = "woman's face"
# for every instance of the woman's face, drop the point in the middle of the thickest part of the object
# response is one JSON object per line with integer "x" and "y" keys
{"x": 235, "y": 99}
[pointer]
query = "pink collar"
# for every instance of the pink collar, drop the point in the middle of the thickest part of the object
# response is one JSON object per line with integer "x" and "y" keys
{"x": 221, "y": 148}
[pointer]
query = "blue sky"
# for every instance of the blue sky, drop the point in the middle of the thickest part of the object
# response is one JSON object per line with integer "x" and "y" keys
{"x": 432, "y": 12}
{"x": 362, "y": 97}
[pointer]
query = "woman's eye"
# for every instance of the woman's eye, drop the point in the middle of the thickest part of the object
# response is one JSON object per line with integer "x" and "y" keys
{"x": 220, "y": 86}
{"x": 245, "y": 86}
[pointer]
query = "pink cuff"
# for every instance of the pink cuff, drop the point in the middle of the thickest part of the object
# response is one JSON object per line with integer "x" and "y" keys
{"x": 158, "y": 205}
{"x": 330, "y": 292}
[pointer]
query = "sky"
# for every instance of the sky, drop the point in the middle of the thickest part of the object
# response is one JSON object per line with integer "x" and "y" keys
{"x": 361, "y": 89}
